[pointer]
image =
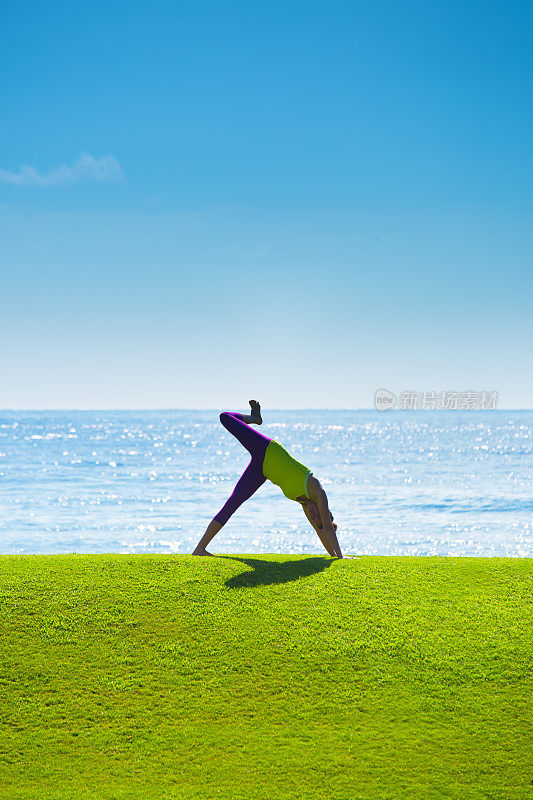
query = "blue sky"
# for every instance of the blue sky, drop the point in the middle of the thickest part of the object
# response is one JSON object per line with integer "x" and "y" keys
{"x": 301, "y": 202}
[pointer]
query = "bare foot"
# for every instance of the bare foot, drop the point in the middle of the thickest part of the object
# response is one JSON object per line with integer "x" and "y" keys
{"x": 198, "y": 552}
{"x": 256, "y": 412}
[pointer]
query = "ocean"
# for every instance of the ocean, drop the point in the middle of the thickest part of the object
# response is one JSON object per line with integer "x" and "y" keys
{"x": 399, "y": 482}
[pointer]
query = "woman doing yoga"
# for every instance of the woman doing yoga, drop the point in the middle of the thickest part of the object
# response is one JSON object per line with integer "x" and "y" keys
{"x": 270, "y": 461}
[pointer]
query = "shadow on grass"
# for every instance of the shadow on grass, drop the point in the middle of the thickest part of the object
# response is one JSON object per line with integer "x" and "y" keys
{"x": 268, "y": 572}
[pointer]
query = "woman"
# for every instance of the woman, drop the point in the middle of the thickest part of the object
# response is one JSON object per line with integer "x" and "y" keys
{"x": 271, "y": 461}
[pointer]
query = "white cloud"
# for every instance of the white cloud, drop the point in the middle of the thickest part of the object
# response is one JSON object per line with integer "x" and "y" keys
{"x": 85, "y": 168}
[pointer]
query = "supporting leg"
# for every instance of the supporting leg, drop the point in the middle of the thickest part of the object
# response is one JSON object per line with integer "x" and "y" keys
{"x": 249, "y": 482}
{"x": 212, "y": 530}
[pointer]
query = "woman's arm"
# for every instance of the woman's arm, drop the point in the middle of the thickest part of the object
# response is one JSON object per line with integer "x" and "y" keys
{"x": 328, "y": 530}
{"x": 328, "y": 542}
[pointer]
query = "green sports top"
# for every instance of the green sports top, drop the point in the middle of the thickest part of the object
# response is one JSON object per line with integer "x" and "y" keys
{"x": 283, "y": 470}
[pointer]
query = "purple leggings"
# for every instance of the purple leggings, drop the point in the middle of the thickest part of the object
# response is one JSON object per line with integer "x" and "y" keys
{"x": 252, "y": 477}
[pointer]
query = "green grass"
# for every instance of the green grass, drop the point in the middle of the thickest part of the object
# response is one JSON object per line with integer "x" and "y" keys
{"x": 154, "y": 676}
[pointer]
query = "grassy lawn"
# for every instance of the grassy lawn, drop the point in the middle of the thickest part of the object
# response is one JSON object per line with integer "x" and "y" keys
{"x": 265, "y": 677}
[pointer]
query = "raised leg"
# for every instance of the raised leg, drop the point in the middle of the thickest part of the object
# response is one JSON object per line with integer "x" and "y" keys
{"x": 252, "y": 440}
